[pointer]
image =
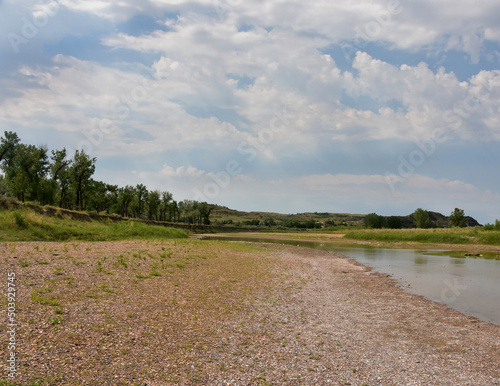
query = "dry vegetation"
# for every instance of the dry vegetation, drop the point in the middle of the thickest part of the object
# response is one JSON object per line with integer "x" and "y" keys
{"x": 209, "y": 312}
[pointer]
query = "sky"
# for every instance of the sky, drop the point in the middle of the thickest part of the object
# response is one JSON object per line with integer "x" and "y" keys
{"x": 347, "y": 106}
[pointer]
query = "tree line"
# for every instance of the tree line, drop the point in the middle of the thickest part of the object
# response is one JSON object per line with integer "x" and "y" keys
{"x": 418, "y": 219}
{"x": 32, "y": 173}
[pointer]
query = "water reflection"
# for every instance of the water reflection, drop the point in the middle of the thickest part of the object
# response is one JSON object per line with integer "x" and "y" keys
{"x": 459, "y": 261}
{"x": 420, "y": 260}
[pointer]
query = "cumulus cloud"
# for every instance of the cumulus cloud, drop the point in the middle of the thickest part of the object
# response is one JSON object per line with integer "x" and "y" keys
{"x": 338, "y": 192}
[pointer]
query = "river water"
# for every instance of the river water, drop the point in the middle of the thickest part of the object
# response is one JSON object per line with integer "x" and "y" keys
{"x": 469, "y": 285}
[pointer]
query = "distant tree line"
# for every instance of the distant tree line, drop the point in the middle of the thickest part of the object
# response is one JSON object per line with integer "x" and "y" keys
{"x": 422, "y": 219}
{"x": 31, "y": 173}
{"x": 270, "y": 222}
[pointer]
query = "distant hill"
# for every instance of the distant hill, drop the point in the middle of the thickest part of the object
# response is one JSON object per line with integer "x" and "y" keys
{"x": 224, "y": 215}
{"x": 436, "y": 220}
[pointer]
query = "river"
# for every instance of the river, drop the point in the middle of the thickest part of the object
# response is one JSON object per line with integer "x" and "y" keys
{"x": 466, "y": 284}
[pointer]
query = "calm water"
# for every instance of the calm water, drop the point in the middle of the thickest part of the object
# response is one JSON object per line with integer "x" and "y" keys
{"x": 468, "y": 285}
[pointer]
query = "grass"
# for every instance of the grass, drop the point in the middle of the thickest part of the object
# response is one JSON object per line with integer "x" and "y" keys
{"x": 25, "y": 224}
{"x": 56, "y": 320}
{"x": 432, "y": 236}
{"x": 45, "y": 300}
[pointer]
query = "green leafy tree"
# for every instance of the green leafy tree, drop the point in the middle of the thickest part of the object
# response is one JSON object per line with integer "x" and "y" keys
{"x": 457, "y": 218}
{"x": 153, "y": 200}
{"x": 82, "y": 169}
{"x": 142, "y": 194}
{"x": 421, "y": 218}
{"x": 59, "y": 170}
{"x": 374, "y": 220}
{"x": 174, "y": 213}
{"x": 166, "y": 199}
{"x": 204, "y": 213}
{"x": 103, "y": 196}
{"x": 8, "y": 145}
{"x": 125, "y": 197}
{"x": 394, "y": 222}
{"x": 26, "y": 171}
{"x": 189, "y": 211}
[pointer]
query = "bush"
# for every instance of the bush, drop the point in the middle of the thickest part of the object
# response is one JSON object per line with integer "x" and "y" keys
{"x": 394, "y": 222}
{"x": 492, "y": 227}
{"x": 20, "y": 220}
{"x": 373, "y": 220}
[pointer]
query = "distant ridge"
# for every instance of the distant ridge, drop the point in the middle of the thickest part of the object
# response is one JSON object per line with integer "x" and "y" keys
{"x": 222, "y": 214}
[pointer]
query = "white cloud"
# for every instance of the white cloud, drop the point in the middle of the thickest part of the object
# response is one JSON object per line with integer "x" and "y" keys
{"x": 222, "y": 69}
{"x": 308, "y": 82}
{"x": 329, "y": 192}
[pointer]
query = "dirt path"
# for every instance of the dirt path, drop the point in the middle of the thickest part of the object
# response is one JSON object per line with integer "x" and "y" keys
{"x": 216, "y": 313}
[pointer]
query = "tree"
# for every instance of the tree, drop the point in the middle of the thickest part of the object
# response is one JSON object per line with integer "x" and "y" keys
{"x": 394, "y": 222}
{"x": 373, "y": 220}
{"x": 59, "y": 170}
{"x": 174, "y": 212}
{"x": 125, "y": 197}
{"x": 204, "y": 212}
{"x": 82, "y": 168}
{"x": 421, "y": 218}
{"x": 26, "y": 171}
{"x": 103, "y": 196}
{"x": 153, "y": 200}
{"x": 8, "y": 146}
{"x": 457, "y": 218}
{"x": 142, "y": 193}
{"x": 189, "y": 210}
{"x": 166, "y": 198}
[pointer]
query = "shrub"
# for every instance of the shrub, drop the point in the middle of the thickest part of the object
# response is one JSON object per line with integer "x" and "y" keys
{"x": 373, "y": 220}
{"x": 20, "y": 220}
{"x": 492, "y": 227}
{"x": 394, "y": 222}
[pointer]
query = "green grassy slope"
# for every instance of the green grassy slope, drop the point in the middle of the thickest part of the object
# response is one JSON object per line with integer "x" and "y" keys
{"x": 25, "y": 224}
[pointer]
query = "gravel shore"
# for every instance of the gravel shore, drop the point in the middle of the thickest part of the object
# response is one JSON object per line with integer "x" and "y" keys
{"x": 217, "y": 313}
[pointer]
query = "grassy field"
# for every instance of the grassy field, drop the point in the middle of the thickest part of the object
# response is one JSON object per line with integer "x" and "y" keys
{"x": 465, "y": 236}
{"x": 433, "y": 236}
{"x": 24, "y": 224}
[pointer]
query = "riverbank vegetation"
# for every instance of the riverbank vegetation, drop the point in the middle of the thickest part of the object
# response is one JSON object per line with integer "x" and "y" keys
{"x": 56, "y": 178}
{"x": 26, "y": 224}
{"x": 435, "y": 236}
